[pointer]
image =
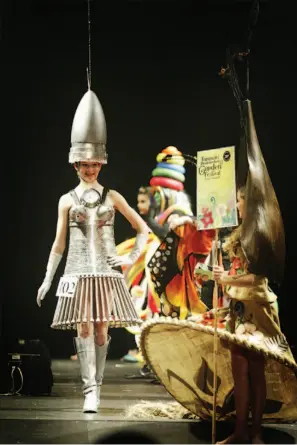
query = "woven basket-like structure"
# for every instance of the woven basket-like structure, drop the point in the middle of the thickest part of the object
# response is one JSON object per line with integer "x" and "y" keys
{"x": 181, "y": 355}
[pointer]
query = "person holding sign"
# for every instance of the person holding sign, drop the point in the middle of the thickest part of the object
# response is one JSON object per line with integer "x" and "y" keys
{"x": 257, "y": 251}
{"x": 92, "y": 293}
{"x": 252, "y": 313}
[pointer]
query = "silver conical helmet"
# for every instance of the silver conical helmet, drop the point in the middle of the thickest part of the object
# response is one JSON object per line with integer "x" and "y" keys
{"x": 88, "y": 133}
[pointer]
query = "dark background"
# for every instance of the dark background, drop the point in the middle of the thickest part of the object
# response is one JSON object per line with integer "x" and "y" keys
{"x": 155, "y": 70}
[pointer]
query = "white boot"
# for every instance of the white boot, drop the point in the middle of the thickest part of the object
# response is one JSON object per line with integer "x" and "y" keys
{"x": 86, "y": 353}
{"x": 101, "y": 354}
{"x": 90, "y": 403}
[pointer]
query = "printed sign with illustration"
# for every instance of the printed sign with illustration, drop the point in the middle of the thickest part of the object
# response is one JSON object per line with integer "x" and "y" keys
{"x": 216, "y": 188}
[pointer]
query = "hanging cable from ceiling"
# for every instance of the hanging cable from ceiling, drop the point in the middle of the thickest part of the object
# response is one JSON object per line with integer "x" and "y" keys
{"x": 89, "y": 67}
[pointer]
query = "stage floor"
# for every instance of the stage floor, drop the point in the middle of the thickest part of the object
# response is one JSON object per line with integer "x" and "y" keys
{"x": 58, "y": 418}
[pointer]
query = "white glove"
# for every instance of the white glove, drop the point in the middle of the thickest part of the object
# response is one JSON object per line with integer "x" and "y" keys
{"x": 128, "y": 260}
{"x": 52, "y": 265}
{"x": 180, "y": 221}
{"x": 120, "y": 260}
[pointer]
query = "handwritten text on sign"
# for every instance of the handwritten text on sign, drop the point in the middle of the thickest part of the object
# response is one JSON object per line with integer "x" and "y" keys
{"x": 67, "y": 286}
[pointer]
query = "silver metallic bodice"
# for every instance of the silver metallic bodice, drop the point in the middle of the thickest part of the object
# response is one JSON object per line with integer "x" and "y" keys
{"x": 91, "y": 225}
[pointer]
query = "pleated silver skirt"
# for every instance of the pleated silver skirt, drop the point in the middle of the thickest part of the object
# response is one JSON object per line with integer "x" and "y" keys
{"x": 97, "y": 299}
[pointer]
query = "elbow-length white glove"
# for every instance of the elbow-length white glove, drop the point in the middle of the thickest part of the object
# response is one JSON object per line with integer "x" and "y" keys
{"x": 131, "y": 258}
{"x": 52, "y": 265}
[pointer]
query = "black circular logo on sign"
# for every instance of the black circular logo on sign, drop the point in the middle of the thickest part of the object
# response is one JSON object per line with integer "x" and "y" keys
{"x": 226, "y": 156}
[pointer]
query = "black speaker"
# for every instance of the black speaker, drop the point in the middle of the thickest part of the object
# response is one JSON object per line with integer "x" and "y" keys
{"x": 25, "y": 367}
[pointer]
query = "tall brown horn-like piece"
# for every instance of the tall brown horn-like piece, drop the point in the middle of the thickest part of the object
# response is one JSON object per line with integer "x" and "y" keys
{"x": 262, "y": 236}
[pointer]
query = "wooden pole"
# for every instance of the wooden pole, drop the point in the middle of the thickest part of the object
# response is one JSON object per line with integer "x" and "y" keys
{"x": 215, "y": 342}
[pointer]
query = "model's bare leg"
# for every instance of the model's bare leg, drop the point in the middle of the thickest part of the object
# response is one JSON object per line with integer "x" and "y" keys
{"x": 258, "y": 393}
{"x": 101, "y": 333}
{"x": 85, "y": 330}
{"x": 241, "y": 393}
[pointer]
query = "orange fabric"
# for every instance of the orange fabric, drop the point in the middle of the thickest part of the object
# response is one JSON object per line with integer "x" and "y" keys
{"x": 181, "y": 291}
{"x": 193, "y": 241}
{"x": 152, "y": 303}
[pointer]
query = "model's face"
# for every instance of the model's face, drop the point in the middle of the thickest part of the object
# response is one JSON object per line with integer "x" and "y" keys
{"x": 240, "y": 205}
{"x": 143, "y": 204}
{"x": 88, "y": 171}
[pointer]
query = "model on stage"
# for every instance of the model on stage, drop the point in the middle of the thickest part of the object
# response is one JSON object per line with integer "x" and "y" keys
{"x": 158, "y": 204}
{"x": 252, "y": 313}
{"x": 101, "y": 298}
{"x": 176, "y": 244}
{"x": 165, "y": 206}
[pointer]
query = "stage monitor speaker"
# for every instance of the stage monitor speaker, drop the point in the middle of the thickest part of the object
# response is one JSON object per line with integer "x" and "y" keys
{"x": 25, "y": 367}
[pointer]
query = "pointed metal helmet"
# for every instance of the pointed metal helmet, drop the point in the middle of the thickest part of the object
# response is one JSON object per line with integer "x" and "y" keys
{"x": 88, "y": 133}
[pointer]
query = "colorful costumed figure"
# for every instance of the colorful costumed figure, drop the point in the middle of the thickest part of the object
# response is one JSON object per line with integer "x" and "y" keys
{"x": 158, "y": 204}
{"x": 172, "y": 256}
{"x": 93, "y": 294}
{"x": 172, "y": 265}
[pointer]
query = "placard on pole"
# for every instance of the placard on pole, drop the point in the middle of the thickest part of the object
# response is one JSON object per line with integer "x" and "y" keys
{"x": 216, "y": 209}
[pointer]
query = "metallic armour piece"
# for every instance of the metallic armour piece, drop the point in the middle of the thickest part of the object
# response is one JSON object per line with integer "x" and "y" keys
{"x": 88, "y": 134}
{"x": 91, "y": 236}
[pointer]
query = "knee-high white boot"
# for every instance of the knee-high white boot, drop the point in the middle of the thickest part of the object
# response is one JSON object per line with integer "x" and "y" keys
{"x": 101, "y": 354}
{"x": 86, "y": 353}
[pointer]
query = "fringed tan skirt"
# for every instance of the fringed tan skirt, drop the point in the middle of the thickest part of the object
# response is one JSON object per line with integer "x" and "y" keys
{"x": 97, "y": 299}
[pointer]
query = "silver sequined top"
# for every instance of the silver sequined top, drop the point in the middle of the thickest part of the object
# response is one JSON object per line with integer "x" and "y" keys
{"x": 91, "y": 224}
